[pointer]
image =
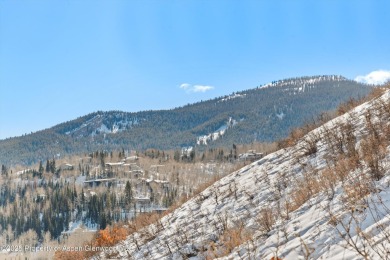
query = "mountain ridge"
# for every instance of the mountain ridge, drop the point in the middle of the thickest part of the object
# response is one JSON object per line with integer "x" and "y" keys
{"x": 264, "y": 113}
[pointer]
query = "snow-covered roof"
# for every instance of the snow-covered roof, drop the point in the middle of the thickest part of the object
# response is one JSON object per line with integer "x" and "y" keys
{"x": 100, "y": 180}
{"x": 115, "y": 163}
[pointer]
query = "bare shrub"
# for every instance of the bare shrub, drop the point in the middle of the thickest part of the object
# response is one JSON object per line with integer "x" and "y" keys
{"x": 383, "y": 106}
{"x": 356, "y": 189}
{"x": 266, "y": 219}
{"x": 352, "y": 103}
{"x": 306, "y": 249}
{"x": 343, "y": 166}
{"x": 350, "y": 229}
{"x": 306, "y": 188}
{"x": 374, "y": 150}
{"x": 296, "y": 134}
{"x": 111, "y": 235}
{"x": 333, "y": 140}
{"x": 310, "y": 144}
{"x": 230, "y": 239}
{"x": 328, "y": 179}
{"x": 348, "y": 105}
{"x": 292, "y": 138}
{"x": 373, "y": 157}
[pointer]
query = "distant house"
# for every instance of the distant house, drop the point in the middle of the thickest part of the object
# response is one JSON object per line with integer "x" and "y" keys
{"x": 66, "y": 167}
{"x": 116, "y": 164}
{"x": 89, "y": 193}
{"x": 131, "y": 158}
{"x": 250, "y": 155}
{"x": 142, "y": 203}
{"x": 162, "y": 183}
{"x": 112, "y": 167}
{"x": 159, "y": 210}
{"x": 23, "y": 172}
{"x": 40, "y": 197}
{"x": 108, "y": 182}
{"x": 136, "y": 173}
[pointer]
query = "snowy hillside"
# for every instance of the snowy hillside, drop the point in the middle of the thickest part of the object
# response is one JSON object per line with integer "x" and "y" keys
{"x": 104, "y": 123}
{"x": 303, "y": 82}
{"x": 205, "y": 139}
{"x": 327, "y": 197}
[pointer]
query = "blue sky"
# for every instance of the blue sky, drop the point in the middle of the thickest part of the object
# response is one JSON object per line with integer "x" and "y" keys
{"x": 63, "y": 59}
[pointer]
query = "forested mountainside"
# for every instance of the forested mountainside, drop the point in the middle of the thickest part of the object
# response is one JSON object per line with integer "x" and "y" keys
{"x": 265, "y": 113}
{"x": 324, "y": 197}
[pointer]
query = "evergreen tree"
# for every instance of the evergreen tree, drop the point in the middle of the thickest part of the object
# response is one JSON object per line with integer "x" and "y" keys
{"x": 176, "y": 156}
{"x": 53, "y": 166}
{"x": 47, "y": 165}
{"x": 192, "y": 155}
{"x": 40, "y": 169}
{"x": 128, "y": 193}
{"x": 102, "y": 221}
{"x": 4, "y": 170}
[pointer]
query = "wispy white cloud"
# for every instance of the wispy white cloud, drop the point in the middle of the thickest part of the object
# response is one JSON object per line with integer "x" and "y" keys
{"x": 200, "y": 88}
{"x": 377, "y": 77}
{"x": 189, "y": 88}
{"x": 185, "y": 86}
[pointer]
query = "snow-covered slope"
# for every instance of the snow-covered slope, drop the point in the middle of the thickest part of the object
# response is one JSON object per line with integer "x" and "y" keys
{"x": 302, "y": 202}
{"x": 205, "y": 139}
{"x": 104, "y": 122}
